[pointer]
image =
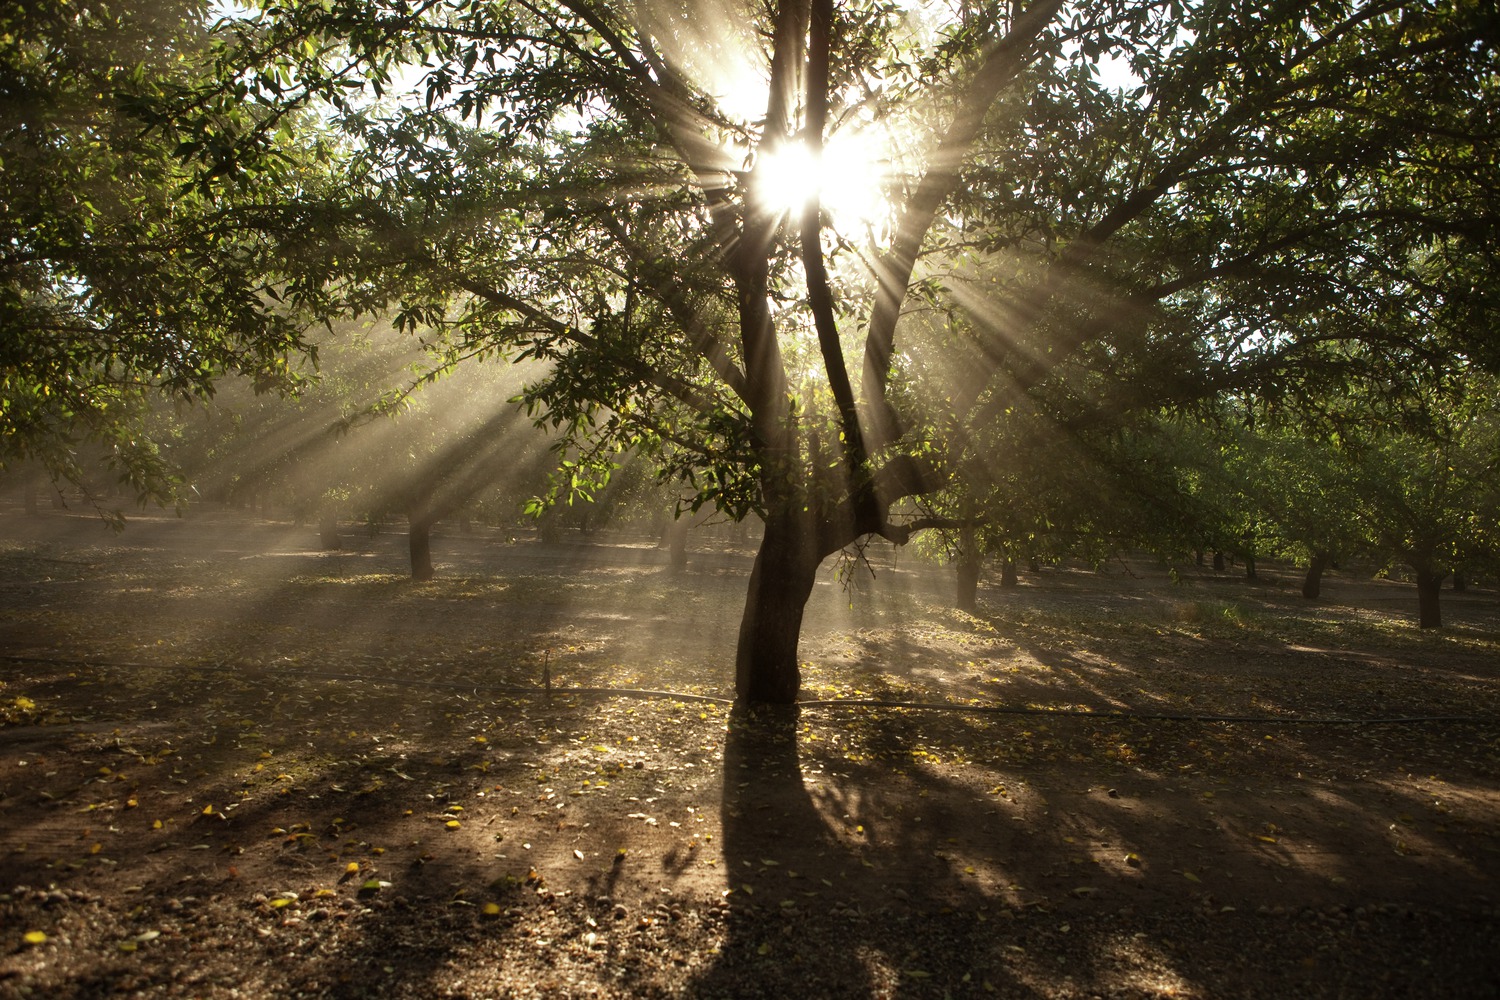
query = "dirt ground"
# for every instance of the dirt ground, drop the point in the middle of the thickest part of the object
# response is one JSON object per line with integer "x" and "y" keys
{"x": 232, "y": 765}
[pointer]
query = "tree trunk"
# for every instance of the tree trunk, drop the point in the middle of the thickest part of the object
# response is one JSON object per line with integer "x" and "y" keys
{"x": 1250, "y": 566}
{"x": 1219, "y": 560}
{"x": 1460, "y": 582}
{"x": 328, "y": 532}
{"x": 677, "y": 544}
{"x": 967, "y": 566}
{"x": 419, "y": 541}
{"x": 1429, "y": 589}
{"x": 786, "y": 567}
{"x": 1312, "y": 583}
{"x": 1008, "y": 577}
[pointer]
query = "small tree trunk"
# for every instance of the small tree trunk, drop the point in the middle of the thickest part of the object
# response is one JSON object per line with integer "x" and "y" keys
{"x": 1008, "y": 577}
{"x": 1429, "y": 589}
{"x": 1250, "y": 566}
{"x": 1219, "y": 560}
{"x": 1312, "y": 583}
{"x": 419, "y": 542}
{"x": 1197, "y": 557}
{"x": 786, "y": 567}
{"x": 328, "y": 532}
{"x": 677, "y": 545}
{"x": 967, "y": 567}
{"x": 1034, "y": 564}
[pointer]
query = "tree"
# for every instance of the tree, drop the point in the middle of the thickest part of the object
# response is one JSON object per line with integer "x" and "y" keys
{"x": 123, "y": 271}
{"x": 1429, "y": 500}
{"x": 576, "y": 181}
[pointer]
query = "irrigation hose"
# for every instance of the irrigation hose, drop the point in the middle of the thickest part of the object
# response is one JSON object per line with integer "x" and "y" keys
{"x": 834, "y": 703}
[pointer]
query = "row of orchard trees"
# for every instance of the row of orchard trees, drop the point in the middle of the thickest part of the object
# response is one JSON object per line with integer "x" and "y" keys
{"x": 1079, "y": 216}
{"x": 1419, "y": 498}
{"x": 390, "y": 430}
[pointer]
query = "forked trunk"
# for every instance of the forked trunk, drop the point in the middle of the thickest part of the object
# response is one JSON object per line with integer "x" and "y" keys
{"x": 1429, "y": 590}
{"x": 786, "y": 567}
{"x": 1312, "y": 583}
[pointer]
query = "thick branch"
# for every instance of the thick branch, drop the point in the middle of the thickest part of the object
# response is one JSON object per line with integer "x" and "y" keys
{"x": 1000, "y": 65}
{"x": 819, "y": 292}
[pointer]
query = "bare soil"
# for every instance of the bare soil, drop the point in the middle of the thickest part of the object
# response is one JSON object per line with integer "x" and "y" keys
{"x": 232, "y": 765}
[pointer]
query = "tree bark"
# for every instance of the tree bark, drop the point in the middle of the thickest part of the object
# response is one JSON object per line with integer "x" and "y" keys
{"x": 1008, "y": 577}
{"x": 677, "y": 544}
{"x": 1219, "y": 560}
{"x": 1429, "y": 590}
{"x": 786, "y": 567}
{"x": 419, "y": 542}
{"x": 1312, "y": 583}
{"x": 968, "y": 566}
{"x": 328, "y": 532}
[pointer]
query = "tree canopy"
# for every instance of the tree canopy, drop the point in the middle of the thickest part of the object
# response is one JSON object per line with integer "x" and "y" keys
{"x": 124, "y": 271}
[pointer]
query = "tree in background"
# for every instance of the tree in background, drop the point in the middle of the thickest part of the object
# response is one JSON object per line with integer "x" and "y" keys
{"x": 1430, "y": 501}
{"x": 123, "y": 271}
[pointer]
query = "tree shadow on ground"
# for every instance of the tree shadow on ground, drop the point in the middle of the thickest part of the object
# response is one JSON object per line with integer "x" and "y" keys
{"x": 880, "y": 878}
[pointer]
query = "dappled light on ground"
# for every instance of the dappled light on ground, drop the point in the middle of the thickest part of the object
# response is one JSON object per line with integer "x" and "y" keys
{"x": 221, "y": 742}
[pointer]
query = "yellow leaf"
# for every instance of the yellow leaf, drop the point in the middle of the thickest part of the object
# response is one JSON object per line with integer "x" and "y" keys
{"x": 156, "y": 824}
{"x": 35, "y": 937}
{"x": 127, "y": 946}
{"x": 491, "y": 909}
{"x": 277, "y": 904}
{"x": 764, "y": 949}
{"x": 352, "y": 867}
{"x": 453, "y": 824}
{"x": 208, "y": 810}
{"x": 1191, "y": 877}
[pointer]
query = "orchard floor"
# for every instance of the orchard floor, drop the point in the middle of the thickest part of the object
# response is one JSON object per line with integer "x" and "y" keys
{"x": 232, "y": 765}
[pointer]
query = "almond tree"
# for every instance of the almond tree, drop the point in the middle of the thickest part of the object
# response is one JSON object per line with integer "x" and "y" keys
{"x": 584, "y": 182}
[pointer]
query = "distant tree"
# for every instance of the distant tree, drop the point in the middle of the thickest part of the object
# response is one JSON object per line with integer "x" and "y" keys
{"x": 1430, "y": 500}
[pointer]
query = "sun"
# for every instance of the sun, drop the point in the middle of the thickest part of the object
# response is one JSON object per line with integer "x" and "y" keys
{"x": 850, "y": 178}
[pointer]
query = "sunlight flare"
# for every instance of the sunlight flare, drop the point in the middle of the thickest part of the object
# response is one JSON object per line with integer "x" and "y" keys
{"x": 849, "y": 177}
